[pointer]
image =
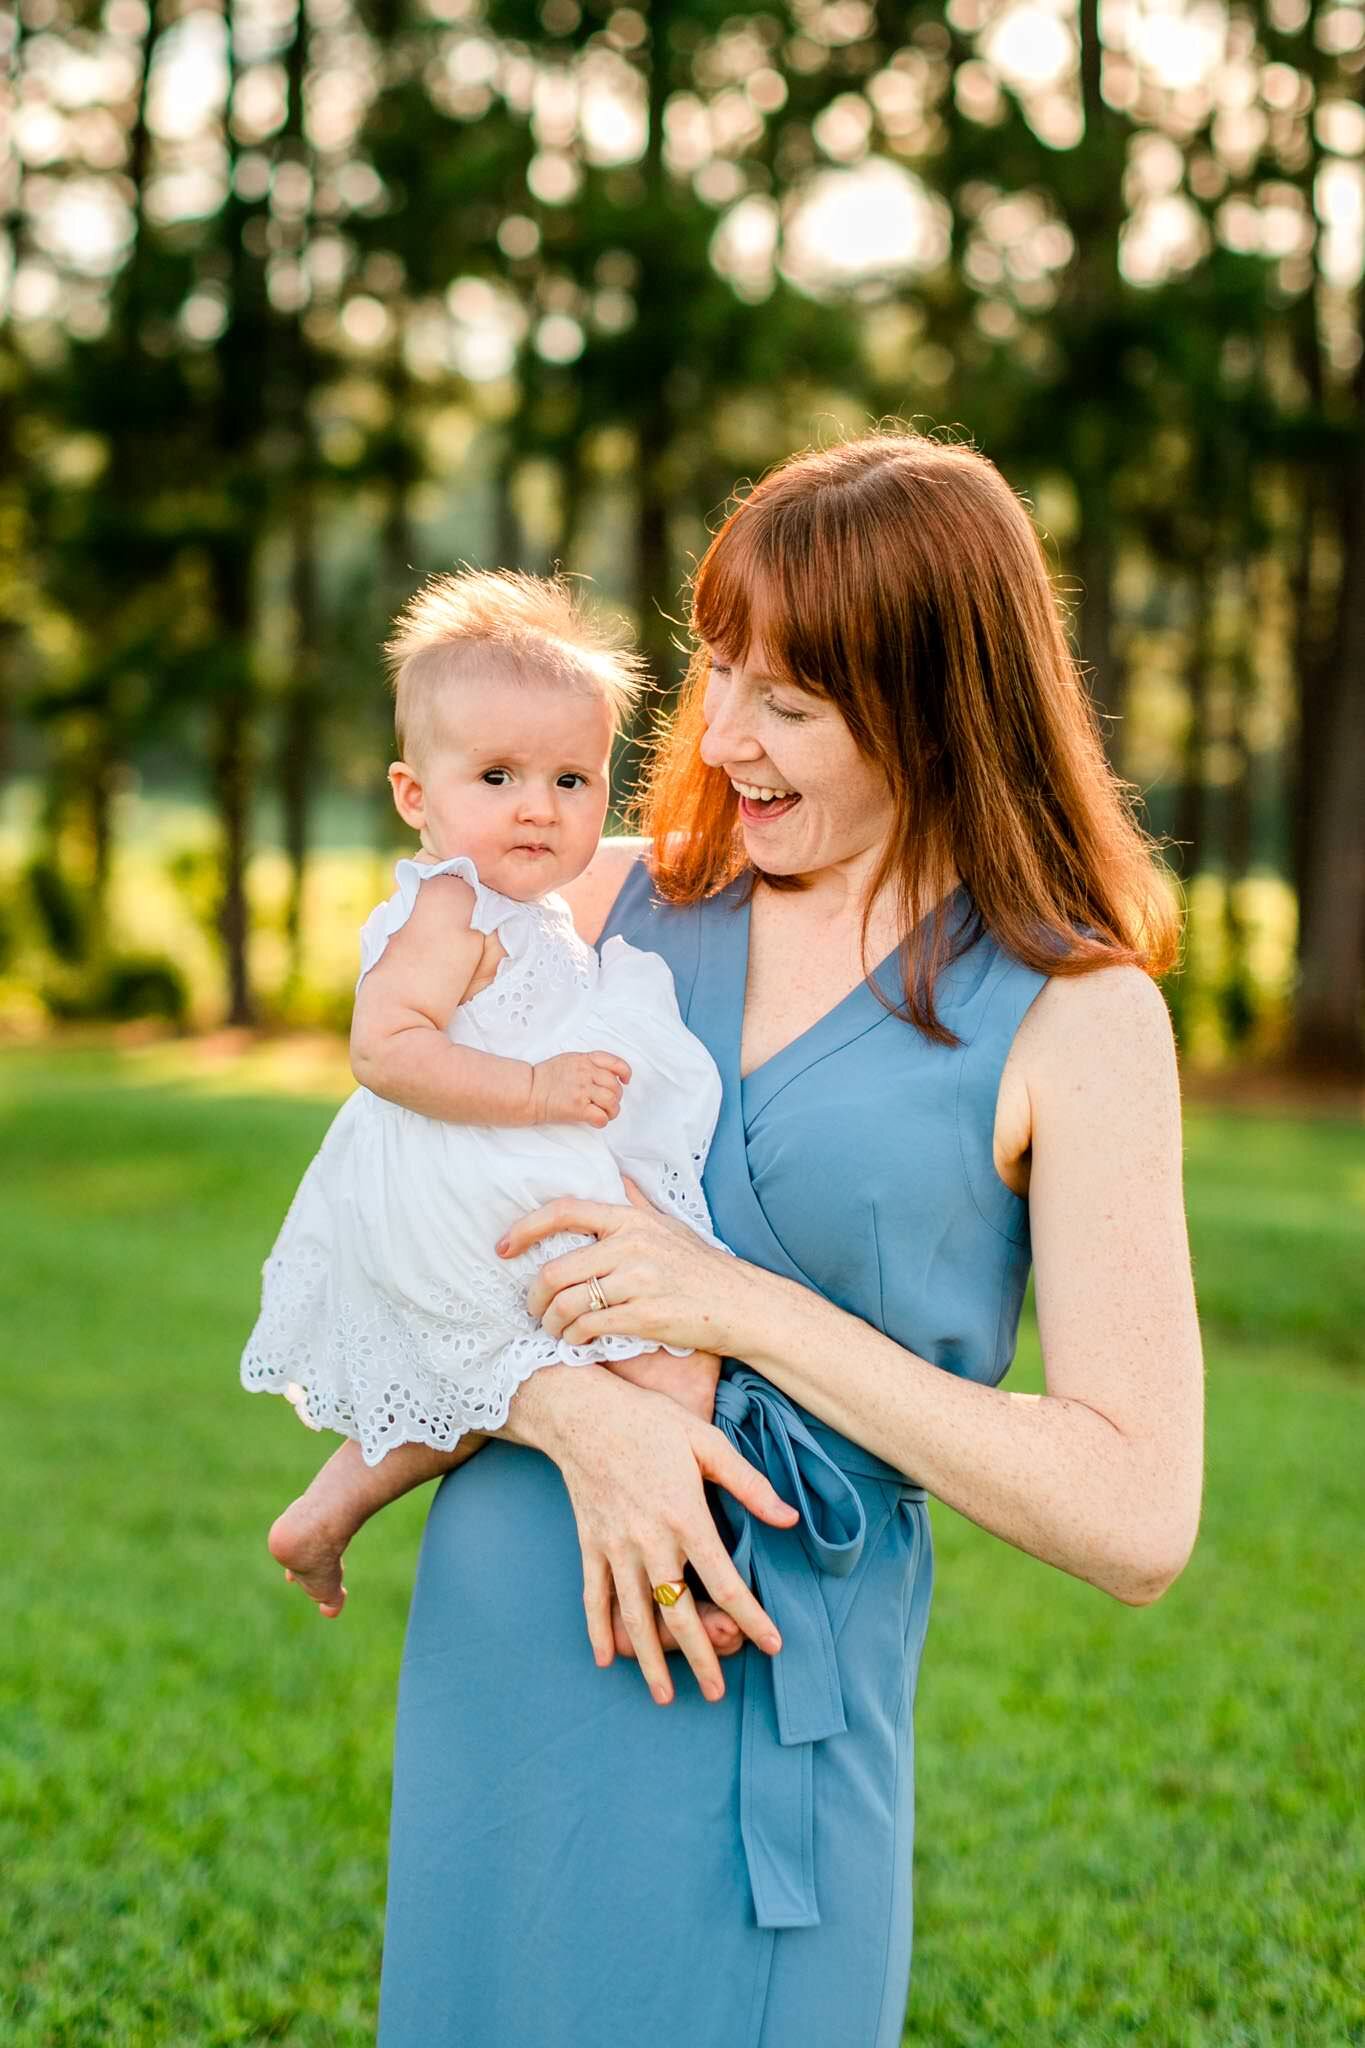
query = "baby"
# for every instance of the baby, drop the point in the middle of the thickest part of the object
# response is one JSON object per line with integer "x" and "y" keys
{"x": 501, "y": 1065}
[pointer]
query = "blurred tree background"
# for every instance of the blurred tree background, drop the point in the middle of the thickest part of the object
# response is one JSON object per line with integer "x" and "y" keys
{"x": 303, "y": 299}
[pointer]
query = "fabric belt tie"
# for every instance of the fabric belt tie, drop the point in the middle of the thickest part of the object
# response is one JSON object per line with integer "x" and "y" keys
{"x": 783, "y": 1568}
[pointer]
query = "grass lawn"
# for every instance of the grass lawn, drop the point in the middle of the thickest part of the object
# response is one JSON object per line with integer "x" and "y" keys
{"x": 1133, "y": 1825}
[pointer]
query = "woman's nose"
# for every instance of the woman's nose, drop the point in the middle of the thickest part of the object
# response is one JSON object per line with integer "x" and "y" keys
{"x": 723, "y": 738}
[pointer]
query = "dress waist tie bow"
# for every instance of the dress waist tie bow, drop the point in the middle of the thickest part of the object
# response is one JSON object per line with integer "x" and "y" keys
{"x": 783, "y": 1567}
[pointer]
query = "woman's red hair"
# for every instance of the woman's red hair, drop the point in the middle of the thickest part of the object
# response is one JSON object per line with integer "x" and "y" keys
{"x": 900, "y": 578}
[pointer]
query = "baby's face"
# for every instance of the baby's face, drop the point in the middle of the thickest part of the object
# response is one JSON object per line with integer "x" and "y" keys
{"x": 517, "y": 779}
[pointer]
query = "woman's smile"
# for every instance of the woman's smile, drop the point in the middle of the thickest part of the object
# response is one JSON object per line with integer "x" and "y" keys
{"x": 760, "y": 804}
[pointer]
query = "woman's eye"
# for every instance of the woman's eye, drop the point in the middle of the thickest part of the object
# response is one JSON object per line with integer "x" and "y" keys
{"x": 791, "y": 717}
{"x": 718, "y": 668}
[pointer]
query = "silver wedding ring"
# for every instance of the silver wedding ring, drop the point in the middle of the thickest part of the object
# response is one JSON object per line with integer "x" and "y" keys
{"x": 595, "y": 1294}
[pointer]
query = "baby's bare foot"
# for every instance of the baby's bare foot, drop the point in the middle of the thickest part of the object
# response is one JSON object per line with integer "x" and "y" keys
{"x": 311, "y": 1555}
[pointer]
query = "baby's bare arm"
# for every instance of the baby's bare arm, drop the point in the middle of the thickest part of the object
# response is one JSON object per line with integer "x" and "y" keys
{"x": 399, "y": 1047}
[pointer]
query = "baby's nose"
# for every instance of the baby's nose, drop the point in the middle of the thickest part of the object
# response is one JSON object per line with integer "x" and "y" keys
{"x": 537, "y": 802}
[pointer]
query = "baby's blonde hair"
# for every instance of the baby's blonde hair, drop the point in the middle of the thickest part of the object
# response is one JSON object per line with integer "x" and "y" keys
{"x": 524, "y": 623}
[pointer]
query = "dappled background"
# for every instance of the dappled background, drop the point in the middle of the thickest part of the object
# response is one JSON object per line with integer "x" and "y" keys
{"x": 304, "y": 302}
{"x": 303, "y": 299}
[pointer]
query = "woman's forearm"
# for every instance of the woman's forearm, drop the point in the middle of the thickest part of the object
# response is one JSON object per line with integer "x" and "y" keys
{"x": 552, "y": 1409}
{"x": 1049, "y": 1474}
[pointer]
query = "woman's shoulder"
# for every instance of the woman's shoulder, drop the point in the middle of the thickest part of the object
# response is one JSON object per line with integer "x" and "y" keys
{"x": 1105, "y": 1031}
{"x": 590, "y": 896}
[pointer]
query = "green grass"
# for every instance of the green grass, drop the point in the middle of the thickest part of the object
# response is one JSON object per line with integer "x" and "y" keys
{"x": 1133, "y": 1825}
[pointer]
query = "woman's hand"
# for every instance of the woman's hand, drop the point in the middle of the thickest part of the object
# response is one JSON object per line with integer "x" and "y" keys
{"x": 691, "y": 1382}
{"x": 659, "y": 1280}
{"x": 635, "y": 1466}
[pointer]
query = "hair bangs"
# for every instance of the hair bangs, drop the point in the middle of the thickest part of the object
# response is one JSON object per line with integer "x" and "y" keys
{"x": 899, "y": 577}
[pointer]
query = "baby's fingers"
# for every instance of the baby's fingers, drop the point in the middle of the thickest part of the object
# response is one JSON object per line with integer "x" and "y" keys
{"x": 726, "y": 1637}
{"x": 612, "y": 1064}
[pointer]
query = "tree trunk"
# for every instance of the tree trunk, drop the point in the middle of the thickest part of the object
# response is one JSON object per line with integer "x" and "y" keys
{"x": 230, "y": 758}
{"x": 241, "y": 350}
{"x": 1238, "y": 998}
{"x": 1095, "y": 625}
{"x": 14, "y": 510}
{"x": 654, "y": 590}
{"x": 1191, "y": 815}
{"x": 574, "y": 497}
{"x": 507, "y": 535}
{"x": 1329, "y": 1029}
{"x": 298, "y": 737}
{"x": 1091, "y": 298}
{"x": 1328, "y": 1019}
{"x": 300, "y": 715}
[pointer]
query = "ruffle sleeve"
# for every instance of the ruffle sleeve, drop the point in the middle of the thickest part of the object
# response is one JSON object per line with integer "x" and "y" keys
{"x": 490, "y": 909}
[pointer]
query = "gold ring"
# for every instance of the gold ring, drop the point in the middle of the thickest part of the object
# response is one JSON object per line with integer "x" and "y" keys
{"x": 595, "y": 1294}
{"x": 670, "y": 1592}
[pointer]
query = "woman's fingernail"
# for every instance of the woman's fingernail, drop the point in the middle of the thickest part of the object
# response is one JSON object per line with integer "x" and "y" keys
{"x": 772, "y": 1642}
{"x": 662, "y": 1695}
{"x": 714, "y": 1692}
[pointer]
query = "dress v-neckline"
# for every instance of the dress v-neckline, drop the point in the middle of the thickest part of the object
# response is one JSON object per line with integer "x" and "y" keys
{"x": 855, "y": 1012}
{"x": 718, "y": 992}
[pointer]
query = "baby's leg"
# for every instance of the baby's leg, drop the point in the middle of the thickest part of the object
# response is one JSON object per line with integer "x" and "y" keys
{"x": 310, "y": 1537}
{"x": 691, "y": 1382}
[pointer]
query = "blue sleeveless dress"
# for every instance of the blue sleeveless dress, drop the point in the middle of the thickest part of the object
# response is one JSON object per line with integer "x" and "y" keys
{"x": 572, "y": 1865}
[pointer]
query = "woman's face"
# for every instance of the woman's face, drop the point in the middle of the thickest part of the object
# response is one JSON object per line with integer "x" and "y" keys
{"x": 832, "y": 805}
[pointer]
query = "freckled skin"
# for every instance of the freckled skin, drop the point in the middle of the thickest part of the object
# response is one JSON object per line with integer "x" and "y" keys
{"x": 1101, "y": 1475}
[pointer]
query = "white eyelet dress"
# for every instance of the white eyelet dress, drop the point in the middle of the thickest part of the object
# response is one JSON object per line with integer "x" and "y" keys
{"x": 385, "y": 1312}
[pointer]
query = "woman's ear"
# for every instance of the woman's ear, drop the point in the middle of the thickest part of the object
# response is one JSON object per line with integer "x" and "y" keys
{"x": 408, "y": 799}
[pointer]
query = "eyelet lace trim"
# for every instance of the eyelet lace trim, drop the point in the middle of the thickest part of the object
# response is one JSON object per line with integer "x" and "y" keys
{"x": 551, "y": 965}
{"x": 388, "y": 1372}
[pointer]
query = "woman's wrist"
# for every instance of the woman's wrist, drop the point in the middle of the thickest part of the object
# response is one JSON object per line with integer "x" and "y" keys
{"x": 774, "y": 1319}
{"x": 550, "y": 1403}
{"x": 747, "y": 1312}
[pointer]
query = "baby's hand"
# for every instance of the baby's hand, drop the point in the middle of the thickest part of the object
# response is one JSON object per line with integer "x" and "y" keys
{"x": 578, "y": 1088}
{"x": 690, "y": 1381}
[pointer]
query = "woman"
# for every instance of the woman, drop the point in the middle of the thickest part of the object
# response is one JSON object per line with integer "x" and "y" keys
{"x": 883, "y": 756}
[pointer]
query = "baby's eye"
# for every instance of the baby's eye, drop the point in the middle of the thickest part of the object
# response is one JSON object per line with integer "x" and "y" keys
{"x": 494, "y": 777}
{"x": 572, "y": 780}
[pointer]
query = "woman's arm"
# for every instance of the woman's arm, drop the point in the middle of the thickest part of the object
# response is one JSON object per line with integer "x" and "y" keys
{"x": 1101, "y": 1475}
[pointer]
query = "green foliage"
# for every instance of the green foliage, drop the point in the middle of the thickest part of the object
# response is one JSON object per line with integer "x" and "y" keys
{"x": 119, "y": 989}
{"x": 526, "y": 283}
{"x": 1132, "y": 1825}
